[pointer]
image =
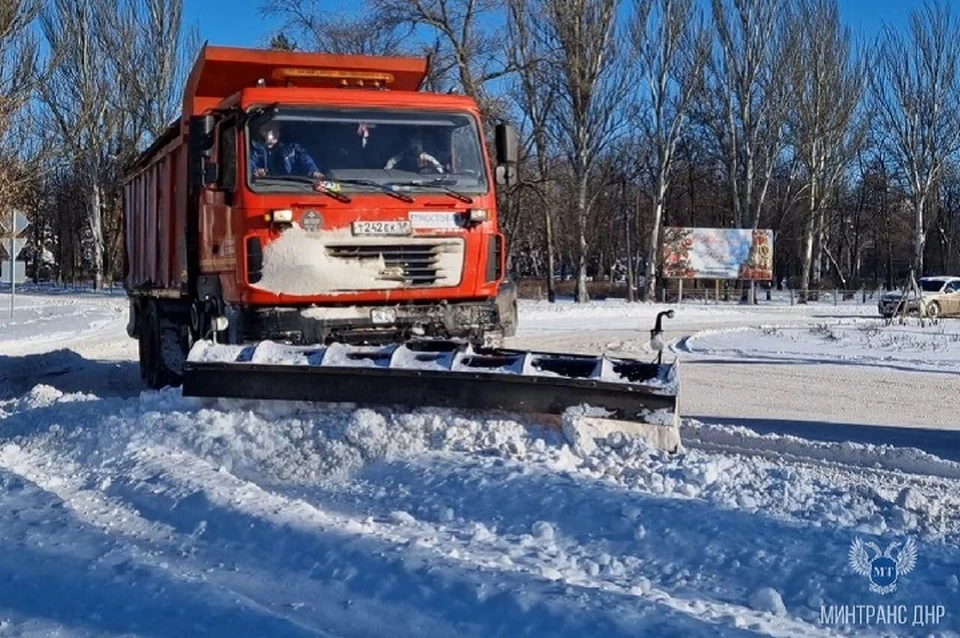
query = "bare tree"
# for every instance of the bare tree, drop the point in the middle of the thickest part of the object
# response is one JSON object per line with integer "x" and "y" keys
{"x": 112, "y": 86}
{"x": 18, "y": 58}
{"x": 22, "y": 150}
{"x": 916, "y": 95}
{"x": 332, "y": 32}
{"x": 746, "y": 99}
{"x": 535, "y": 97}
{"x": 77, "y": 96}
{"x": 590, "y": 90}
{"x": 466, "y": 45}
{"x": 826, "y": 88}
{"x": 150, "y": 54}
{"x": 281, "y": 42}
{"x": 672, "y": 49}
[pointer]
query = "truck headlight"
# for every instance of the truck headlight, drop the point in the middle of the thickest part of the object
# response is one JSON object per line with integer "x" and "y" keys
{"x": 281, "y": 216}
{"x": 478, "y": 215}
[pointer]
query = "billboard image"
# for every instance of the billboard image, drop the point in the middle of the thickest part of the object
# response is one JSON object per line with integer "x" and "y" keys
{"x": 717, "y": 253}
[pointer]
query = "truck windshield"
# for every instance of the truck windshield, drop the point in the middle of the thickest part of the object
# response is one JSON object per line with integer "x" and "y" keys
{"x": 409, "y": 151}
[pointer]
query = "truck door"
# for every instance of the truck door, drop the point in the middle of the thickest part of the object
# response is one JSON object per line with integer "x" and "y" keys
{"x": 218, "y": 252}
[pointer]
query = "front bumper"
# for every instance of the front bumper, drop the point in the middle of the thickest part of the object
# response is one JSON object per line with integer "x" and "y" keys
{"x": 887, "y": 307}
{"x": 476, "y": 321}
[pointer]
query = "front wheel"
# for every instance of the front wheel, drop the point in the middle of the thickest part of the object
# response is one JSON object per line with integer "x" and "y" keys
{"x": 933, "y": 310}
{"x": 154, "y": 368}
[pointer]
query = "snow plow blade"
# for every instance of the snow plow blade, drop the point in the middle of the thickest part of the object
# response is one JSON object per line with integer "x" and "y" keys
{"x": 596, "y": 395}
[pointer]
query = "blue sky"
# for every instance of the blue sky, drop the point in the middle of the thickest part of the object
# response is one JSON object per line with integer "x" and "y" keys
{"x": 242, "y": 24}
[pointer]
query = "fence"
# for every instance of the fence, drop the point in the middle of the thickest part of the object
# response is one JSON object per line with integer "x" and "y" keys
{"x": 836, "y": 296}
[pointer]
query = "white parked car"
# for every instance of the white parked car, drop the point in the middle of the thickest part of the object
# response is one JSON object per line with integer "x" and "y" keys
{"x": 941, "y": 294}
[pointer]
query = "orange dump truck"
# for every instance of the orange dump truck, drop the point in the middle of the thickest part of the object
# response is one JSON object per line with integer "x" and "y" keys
{"x": 325, "y": 204}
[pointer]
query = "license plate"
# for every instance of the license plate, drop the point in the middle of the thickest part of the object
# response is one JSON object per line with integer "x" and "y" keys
{"x": 400, "y": 227}
{"x": 435, "y": 221}
{"x": 383, "y": 316}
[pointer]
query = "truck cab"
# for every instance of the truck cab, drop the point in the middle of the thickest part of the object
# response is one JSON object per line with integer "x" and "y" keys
{"x": 344, "y": 204}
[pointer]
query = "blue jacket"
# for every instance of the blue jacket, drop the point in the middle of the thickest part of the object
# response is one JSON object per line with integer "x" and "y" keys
{"x": 282, "y": 159}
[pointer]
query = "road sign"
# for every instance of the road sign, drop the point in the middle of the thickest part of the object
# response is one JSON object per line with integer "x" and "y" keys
{"x": 19, "y": 270}
{"x": 20, "y": 223}
{"x": 14, "y": 271}
{"x": 18, "y": 245}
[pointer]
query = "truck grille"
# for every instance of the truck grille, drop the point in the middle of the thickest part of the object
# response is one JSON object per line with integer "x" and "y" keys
{"x": 419, "y": 264}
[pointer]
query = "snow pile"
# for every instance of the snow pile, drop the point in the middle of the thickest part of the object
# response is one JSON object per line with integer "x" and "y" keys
{"x": 298, "y": 262}
{"x": 768, "y": 600}
{"x": 291, "y": 442}
{"x": 296, "y": 442}
{"x": 407, "y": 511}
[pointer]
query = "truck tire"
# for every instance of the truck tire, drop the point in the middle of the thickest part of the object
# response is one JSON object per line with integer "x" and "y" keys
{"x": 154, "y": 369}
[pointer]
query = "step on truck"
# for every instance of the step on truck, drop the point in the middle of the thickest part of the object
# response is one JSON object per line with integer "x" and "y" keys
{"x": 318, "y": 227}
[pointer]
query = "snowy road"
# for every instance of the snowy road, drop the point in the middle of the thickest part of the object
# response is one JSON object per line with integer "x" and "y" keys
{"x": 736, "y": 372}
{"x": 149, "y": 514}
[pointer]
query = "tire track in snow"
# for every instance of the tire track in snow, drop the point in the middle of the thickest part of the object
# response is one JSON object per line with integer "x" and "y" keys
{"x": 516, "y": 574}
{"x": 134, "y": 575}
{"x": 886, "y": 461}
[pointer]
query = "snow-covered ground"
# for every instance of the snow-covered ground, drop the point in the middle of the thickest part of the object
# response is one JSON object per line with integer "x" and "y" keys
{"x": 144, "y": 513}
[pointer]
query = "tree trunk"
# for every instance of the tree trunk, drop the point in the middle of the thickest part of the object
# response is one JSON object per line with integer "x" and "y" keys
{"x": 654, "y": 242}
{"x": 96, "y": 232}
{"x": 808, "y": 235}
{"x": 582, "y": 295}
{"x": 818, "y": 245}
{"x": 919, "y": 236}
{"x": 631, "y": 279}
{"x": 551, "y": 284}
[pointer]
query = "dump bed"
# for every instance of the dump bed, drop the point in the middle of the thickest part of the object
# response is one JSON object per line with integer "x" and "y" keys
{"x": 155, "y": 216}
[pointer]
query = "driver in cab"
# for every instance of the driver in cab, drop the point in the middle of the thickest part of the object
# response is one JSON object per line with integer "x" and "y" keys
{"x": 270, "y": 156}
{"x": 414, "y": 158}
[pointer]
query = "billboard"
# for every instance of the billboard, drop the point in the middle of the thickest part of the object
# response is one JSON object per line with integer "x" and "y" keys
{"x": 717, "y": 253}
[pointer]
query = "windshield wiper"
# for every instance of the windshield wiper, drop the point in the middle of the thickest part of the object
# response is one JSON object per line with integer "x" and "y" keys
{"x": 369, "y": 182}
{"x": 438, "y": 183}
{"x": 308, "y": 181}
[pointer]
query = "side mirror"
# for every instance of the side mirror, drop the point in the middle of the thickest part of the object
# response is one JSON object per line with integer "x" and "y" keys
{"x": 200, "y": 142}
{"x": 201, "y": 134}
{"x": 508, "y": 154}
{"x": 508, "y": 147}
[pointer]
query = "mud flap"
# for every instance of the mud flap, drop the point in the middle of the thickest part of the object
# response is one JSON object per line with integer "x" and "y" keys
{"x": 507, "y": 308}
{"x": 447, "y": 374}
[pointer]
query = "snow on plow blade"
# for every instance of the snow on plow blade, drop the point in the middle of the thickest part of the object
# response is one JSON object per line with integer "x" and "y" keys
{"x": 596, "y": 395}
